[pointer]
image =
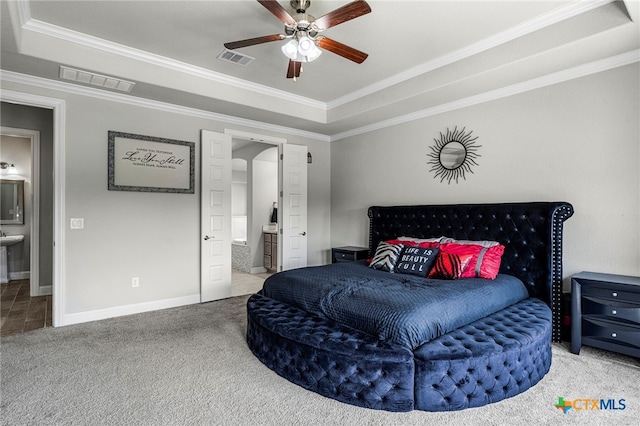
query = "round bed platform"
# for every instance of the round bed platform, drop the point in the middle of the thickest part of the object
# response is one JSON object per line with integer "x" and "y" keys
{"x": 488, "y": 360}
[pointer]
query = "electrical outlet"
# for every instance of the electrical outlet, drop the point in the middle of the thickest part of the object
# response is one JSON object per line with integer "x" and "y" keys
{"x": 135, "y": 282}
{"x": 77, "y": 223}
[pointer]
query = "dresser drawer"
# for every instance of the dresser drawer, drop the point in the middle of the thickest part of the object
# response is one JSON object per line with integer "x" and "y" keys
{"x": 605, "y": 331}
{"x": 344, "y": 257}
{"x": 615, "y": 310}
{"x": 611, "y": 293}
{"x": 348, "y": 254}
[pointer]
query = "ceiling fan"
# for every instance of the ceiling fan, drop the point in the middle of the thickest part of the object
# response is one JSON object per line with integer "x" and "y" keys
{"x": 304, "y": 33}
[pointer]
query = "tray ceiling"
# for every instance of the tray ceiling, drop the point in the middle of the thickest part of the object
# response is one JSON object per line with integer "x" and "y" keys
{"x": 423, "y": 55}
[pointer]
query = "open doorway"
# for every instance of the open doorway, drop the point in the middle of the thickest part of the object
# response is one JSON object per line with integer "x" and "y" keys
{"x": 254, "y": 194}
{"x": 216, "y": 218}
{"x": 27, "y": 259}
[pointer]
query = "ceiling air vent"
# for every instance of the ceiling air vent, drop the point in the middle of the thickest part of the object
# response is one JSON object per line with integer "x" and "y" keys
{"x": 95, "y": 79}
{"x": 235, "y": 57}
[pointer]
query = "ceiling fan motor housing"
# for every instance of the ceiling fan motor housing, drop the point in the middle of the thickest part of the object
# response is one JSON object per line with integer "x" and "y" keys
{"x": 304, "y": 22}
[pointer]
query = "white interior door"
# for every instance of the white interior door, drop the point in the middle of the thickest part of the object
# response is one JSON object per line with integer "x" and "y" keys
{"x": 292, "y": 244}
{"x": 215, "y": 193}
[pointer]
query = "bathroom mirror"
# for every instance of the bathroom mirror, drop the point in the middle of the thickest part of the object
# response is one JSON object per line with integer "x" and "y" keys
{"x": 11, "y": 202}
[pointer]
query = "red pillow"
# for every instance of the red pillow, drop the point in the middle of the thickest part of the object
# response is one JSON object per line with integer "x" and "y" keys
{"x": 396, "y": 241}
{"x": 449, "y": 266}
{"x": 484, "y": 263}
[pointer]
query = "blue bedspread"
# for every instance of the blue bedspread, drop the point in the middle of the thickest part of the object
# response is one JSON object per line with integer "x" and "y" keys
{"x": 405, "y": 309}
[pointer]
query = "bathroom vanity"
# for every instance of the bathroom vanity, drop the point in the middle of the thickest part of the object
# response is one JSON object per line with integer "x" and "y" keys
{"x": 270, "y": 250}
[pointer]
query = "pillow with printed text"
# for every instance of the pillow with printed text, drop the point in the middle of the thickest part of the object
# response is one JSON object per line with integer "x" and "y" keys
{"x": 416, "y": 260}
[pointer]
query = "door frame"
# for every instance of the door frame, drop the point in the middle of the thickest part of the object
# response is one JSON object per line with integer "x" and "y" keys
{"x": 59, "y": 117}
{"x": 34, "y": 231}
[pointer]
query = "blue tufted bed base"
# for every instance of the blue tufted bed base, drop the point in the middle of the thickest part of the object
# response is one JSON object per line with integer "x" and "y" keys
{"x": 493, "y": 358}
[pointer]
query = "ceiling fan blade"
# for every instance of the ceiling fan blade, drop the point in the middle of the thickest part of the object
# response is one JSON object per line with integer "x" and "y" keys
{"x": 252, "y": 41}
{"x": 343, "y": 14}
{"x": 342, "y": 49}
{"x": 294, "y": 69}
{"x": 278, "y": 11}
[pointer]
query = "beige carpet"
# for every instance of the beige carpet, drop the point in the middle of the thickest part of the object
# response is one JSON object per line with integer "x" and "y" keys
{"x": 191, "y": 366}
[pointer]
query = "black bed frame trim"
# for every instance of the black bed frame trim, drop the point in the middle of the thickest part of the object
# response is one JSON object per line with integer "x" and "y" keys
{"x": 531, "y": 233}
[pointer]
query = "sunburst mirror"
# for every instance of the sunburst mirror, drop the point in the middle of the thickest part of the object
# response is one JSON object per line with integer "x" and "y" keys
{"x": 453, "y": 155}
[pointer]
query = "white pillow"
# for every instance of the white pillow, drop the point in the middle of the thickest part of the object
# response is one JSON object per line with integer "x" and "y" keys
{"x": 421, "y": 240}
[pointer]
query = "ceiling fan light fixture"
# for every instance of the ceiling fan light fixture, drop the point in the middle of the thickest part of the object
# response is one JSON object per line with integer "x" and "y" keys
{"x": 313, "y": 53}
{"x": 290, "y": 49}
{"x": 305, "y": 45}
{"x": 302, "y": 49}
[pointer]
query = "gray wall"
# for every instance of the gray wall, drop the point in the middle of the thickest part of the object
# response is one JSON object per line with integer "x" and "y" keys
{"x": 576, "y": 142}
{"x": 26, "y": 117}
{"x": 153, "y": 236}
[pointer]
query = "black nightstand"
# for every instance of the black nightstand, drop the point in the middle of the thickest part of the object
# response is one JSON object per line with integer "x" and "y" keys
{"x": 348, "y": 254}
{"x": 605, "y": 312}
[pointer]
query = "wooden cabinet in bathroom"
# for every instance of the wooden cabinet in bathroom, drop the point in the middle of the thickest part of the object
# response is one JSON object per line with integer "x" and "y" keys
{"x": 270, "y": 251}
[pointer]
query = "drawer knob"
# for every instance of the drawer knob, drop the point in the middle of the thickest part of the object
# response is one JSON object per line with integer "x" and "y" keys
{"x": 613, "y": 311}
{"x": 614, "y": 294}
{"x": 614, "y": 335}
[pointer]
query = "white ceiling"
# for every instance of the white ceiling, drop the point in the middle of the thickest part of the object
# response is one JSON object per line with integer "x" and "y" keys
{"x": 424, "y": 56}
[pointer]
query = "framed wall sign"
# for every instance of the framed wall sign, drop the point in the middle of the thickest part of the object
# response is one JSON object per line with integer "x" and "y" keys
{"x": 148, "y": 164}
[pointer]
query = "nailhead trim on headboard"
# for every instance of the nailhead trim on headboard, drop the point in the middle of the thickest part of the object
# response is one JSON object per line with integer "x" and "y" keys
{"x": 561, "y": 213}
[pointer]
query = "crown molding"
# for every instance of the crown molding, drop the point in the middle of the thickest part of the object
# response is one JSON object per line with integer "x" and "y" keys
{"x": 44, "y": 83}
{"x": 616, "y": 61}
{"x": 542, "y": 21}
{"x": 548, "y": 19}
{"x": 21, "y": 9}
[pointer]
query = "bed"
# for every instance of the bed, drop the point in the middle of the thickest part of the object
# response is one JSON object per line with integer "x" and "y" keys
{"x": 494, "y": 350}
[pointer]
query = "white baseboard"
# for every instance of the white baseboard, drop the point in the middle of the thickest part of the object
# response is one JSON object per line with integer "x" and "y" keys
{"x": 137, "y": 308}
{"x": 45, "y": 290}
{"x": 22, "y": 275}
{"x": 258, "y": 270}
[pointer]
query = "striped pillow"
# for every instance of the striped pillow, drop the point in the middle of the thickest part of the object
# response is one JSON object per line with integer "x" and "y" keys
{"x": 386, "y": 256}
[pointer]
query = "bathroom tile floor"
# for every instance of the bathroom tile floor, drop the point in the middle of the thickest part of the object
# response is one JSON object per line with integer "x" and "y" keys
{"x": 19, "y": 312}
{"x": 243, "y": 283}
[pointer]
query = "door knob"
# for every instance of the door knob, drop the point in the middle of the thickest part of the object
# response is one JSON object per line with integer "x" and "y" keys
{"x": 303, "y": 233}
{"x": 206, "y": 237}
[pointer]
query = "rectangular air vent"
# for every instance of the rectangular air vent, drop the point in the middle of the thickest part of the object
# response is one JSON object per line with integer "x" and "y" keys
{"x": 235, "y": 57}
{"x": 95, "y": 79}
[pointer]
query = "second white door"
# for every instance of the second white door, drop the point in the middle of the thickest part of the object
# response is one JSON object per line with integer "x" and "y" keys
{"x": 292, "y": 214}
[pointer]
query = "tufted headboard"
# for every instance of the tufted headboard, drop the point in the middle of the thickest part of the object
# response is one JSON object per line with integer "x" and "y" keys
{"x": 530, "y": 232}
